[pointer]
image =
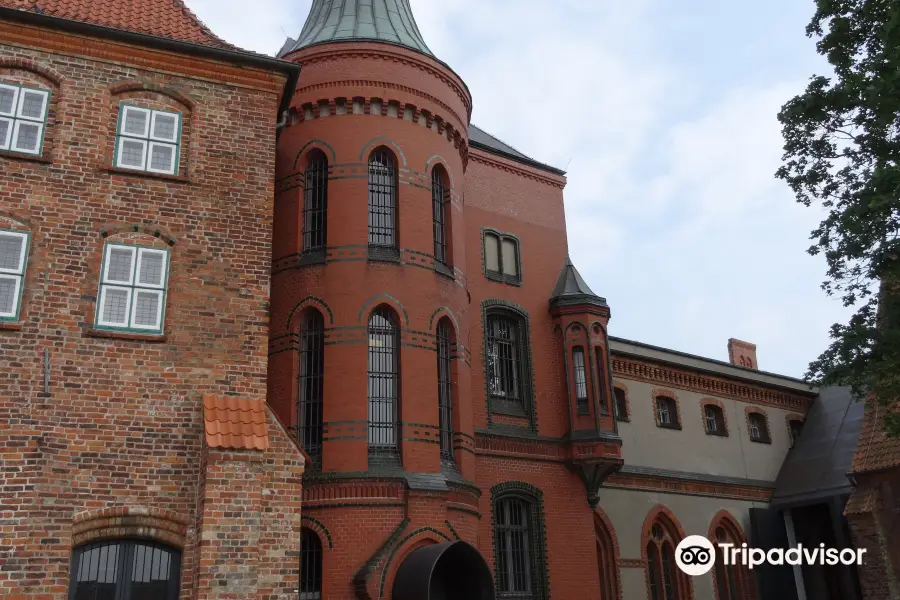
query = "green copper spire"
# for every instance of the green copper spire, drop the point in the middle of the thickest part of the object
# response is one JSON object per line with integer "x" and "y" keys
{"x": 389, "y": 21}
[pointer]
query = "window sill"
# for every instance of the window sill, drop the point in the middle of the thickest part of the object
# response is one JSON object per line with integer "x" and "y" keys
{"x": 311, "y": 258}
{"x": 443, "y": 269}
{"x": 146, "y": 174}
{"x": 717, "y": 433}
{"x": 623, "y": 419}
{"x": 760, "y": 441}
{"x": 11, "y": 326}
{"x": 124, "y": 335}
{"x": 378, "y": 254}
{"x": 675, "y": 426}
{"x": 39, "y": 158}
{"x": 500, "y": 278}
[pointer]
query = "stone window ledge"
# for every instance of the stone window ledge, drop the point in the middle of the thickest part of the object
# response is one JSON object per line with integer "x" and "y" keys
{"x": 124, "y": 335}
{"x": 38, "y": 158}
{"x": 146, "y": 174}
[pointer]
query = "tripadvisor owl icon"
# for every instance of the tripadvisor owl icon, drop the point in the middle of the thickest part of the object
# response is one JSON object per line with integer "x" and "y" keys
{"x": 695, "y": 555}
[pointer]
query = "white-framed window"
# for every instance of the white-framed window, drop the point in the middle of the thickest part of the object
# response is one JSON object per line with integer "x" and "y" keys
{"x": 23, "y": 118}
{"x": 148, "y": 140}
{"x": 13, "y": 258}
{"x": 133, "y": 283}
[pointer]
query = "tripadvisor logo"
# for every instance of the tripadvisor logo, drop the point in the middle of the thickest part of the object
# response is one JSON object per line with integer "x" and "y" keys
{"x": 696, "y": 555}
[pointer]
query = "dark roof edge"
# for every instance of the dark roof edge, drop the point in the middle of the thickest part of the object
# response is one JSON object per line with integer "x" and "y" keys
{"x": 518, "y": 159}
{"x": 713, "y": 361}
{"x": 240, "y": 57}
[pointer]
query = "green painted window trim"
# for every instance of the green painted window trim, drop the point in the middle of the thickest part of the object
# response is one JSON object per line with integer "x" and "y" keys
{"x": 148, "y": 140}
{"x": 49, "y": 93}
{"x": 499, "y": 276}
{"x": 164, "y": 290}
{"x": 18, "y": 307}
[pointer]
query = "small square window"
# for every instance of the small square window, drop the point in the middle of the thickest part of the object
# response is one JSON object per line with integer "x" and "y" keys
{"x": 133, "y": 288}
{"x": 148, "y": 140}
{"x": 23, "y": 116}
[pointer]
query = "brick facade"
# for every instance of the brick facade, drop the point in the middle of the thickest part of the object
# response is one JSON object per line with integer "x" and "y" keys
{"x": 192, "y": 438}
{"x": 101, "y": 432}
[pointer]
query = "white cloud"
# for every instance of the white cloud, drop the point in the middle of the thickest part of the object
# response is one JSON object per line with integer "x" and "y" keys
{"x": 674, "y": 213}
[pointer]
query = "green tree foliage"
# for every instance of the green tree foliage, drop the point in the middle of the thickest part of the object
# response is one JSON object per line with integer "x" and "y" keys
{"x": 842, "y": 152}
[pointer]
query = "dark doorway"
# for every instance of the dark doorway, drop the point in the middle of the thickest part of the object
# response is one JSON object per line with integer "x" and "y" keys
{"x": 451, "y": 571}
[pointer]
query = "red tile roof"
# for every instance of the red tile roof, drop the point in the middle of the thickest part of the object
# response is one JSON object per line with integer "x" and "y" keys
{"x": 162, "y": 18}
{"x": 875, "y": 450}
{"x": 235, "y": 423}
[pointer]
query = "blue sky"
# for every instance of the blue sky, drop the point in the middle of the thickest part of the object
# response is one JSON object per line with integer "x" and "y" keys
{"x": 665, "y": 113}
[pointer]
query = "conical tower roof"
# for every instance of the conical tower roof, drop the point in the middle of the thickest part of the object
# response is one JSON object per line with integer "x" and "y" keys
{"x": 390, "y": 21}
{"x": 571, "y": 288}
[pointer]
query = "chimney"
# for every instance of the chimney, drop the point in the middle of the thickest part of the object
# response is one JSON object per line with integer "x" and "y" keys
{"x": 742, "y": 354}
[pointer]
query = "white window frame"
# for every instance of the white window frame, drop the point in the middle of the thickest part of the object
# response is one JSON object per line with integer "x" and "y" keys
{"x": 147, "y": 140}
{"x": 16, "y": 118}
{"x": 133, "y": 287}
{"x": 16, "y": 275}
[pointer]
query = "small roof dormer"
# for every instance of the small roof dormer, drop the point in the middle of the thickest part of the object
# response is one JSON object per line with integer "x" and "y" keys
{"x": 389, "y": 21}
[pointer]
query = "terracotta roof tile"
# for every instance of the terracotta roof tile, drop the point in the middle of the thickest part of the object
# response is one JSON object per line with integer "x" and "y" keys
{"x": 875, "y": 449}
{"x": 162, "y": 18}
{"x": 235, "y": 423}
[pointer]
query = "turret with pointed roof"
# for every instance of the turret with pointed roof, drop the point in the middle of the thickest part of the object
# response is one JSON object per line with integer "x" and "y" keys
{"x": 571, "y": 289}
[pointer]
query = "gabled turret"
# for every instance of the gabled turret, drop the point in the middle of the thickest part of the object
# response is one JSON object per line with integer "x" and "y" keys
{"x": 581, "y": 318}
{"x": 389, "y": 21}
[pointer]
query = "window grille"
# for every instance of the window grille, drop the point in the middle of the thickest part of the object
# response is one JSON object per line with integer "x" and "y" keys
{"x": 312, "y": 390}
{"x": 439, "y": 210}
{"x": 513, "y": 529}
{"x": 125, "y": 569}
{"x": 445, "y": 387}
{"x": 665, "y": 411}
{"x": 148, "y": 140}
{"x": 504, "y": 362}
{"x": 581, "y": 393}
{"x": 384, "y": 380}
{"x": 759, "y": 432}
{"x": 13, "y": 259}
{"x": 133, "y": 284}
{"x": 315, "y": 203}
{"x": 23, "y": 118}
{"x": 383, "y": 199}
{"x": 310, "y": 565}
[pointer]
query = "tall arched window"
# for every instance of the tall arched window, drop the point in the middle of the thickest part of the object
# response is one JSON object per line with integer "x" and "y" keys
{"x": 384, "y": 379}
{"x": 733, "y": 582}
{"x": 606, "y": 561}
{"x": 665, "y": 579}
{"x": 312, "y": 388}
{"x": 315, "y": 202}
{"x": 439, "y": 189}
{"x": 383, "y": 199}
{"x": 445, "y": 386}
{"x": 310, "y": 565}
{"x": 519, "y": 553}
{"x": 506, "y": 365}
{"x": 581, "y": 388}
{"x": 125, "y": 569}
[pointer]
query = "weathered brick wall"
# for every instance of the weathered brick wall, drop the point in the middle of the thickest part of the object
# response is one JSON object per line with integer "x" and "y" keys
{"x": 873, "y": 513}
{"x": 250, "y": 520}
{"x": 122, "y": 422}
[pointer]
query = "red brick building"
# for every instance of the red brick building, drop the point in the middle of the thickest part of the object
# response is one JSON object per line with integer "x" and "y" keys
{"x": 221, "y": 277}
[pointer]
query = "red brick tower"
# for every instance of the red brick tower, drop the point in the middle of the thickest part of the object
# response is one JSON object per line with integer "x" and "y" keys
{"x": 408, "y": 353}
{"x": 371, "y": 162}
